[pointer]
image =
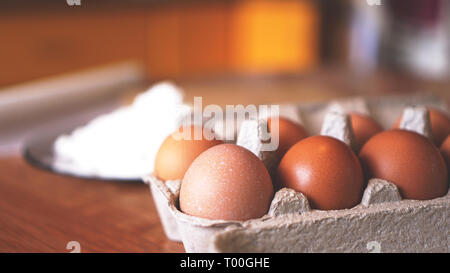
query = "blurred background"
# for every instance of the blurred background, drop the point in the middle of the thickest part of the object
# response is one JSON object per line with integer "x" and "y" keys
{"x": 67, "y": 56}
{"x": 192, "y": 39}
{"x": 65, "y": 62}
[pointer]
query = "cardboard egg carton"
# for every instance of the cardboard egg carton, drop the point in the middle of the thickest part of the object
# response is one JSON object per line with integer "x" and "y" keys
{"x": 382, "y": 222}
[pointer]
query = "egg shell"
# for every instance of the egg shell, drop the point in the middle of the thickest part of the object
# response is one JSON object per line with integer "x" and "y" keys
{"x": 364, "y": 127}
{"x": 407, "y": 159}
{"x": 226, "y": 182}
{"x": 445, "y": 151}
{"x": 289, "y": 133}
{"x": 325, "y": 170}
{"x": 176, "y": 155}
{"x": 440, "y": 125}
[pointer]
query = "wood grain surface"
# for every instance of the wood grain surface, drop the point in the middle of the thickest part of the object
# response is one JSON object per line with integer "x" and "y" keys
{"x": 42, "y": 212}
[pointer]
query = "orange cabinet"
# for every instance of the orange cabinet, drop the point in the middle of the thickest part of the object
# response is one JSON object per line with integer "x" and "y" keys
{"x": 42, "y": 43}
{"x": 175, "y": 39}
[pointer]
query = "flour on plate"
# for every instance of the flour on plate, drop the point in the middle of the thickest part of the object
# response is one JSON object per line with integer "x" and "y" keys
{"x": 123, "y": 144}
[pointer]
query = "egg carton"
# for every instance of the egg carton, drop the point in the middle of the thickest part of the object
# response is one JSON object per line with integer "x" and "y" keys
{"x": 382, "y": 222}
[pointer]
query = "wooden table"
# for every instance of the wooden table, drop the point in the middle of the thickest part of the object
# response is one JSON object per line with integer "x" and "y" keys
{"x": 42, "y": 212}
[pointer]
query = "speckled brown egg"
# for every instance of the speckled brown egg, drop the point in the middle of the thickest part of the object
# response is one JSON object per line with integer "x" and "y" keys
{"x": 289, "y": 133}
{"x": 226, "y": 182}
{"x": 407, "y": 159}
{"x": 325, "y": 170}
{"x": 445, "y": 151}
{"x": 440, "y": 125}
{"x": 364, "y": 127}
{"x": 175, "y": 155}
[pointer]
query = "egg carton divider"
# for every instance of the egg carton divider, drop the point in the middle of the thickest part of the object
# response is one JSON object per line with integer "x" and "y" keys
{"x": 292, "y": 226}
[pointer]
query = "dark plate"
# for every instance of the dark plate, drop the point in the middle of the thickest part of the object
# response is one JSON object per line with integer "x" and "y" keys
{"x": 39, "y": 153}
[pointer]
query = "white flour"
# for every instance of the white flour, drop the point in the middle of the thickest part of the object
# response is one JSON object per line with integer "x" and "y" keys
{"x": 123, "y": 144}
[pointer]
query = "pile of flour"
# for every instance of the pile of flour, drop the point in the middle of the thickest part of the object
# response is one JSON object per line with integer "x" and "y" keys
{"x": 123, "y": 144}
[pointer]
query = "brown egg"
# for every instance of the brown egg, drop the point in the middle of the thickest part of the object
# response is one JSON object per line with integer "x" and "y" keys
{"x": 324, "y": 169}
{"x": 445, "y": 150}
{"x": 364, "y": 127}
{"x": 440, "y": 125}
{"x": 226, "y": 182}
{"x": 289, "y": 133}
{"x": 407, "y": 159}
{"x": 174, "y": 156}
